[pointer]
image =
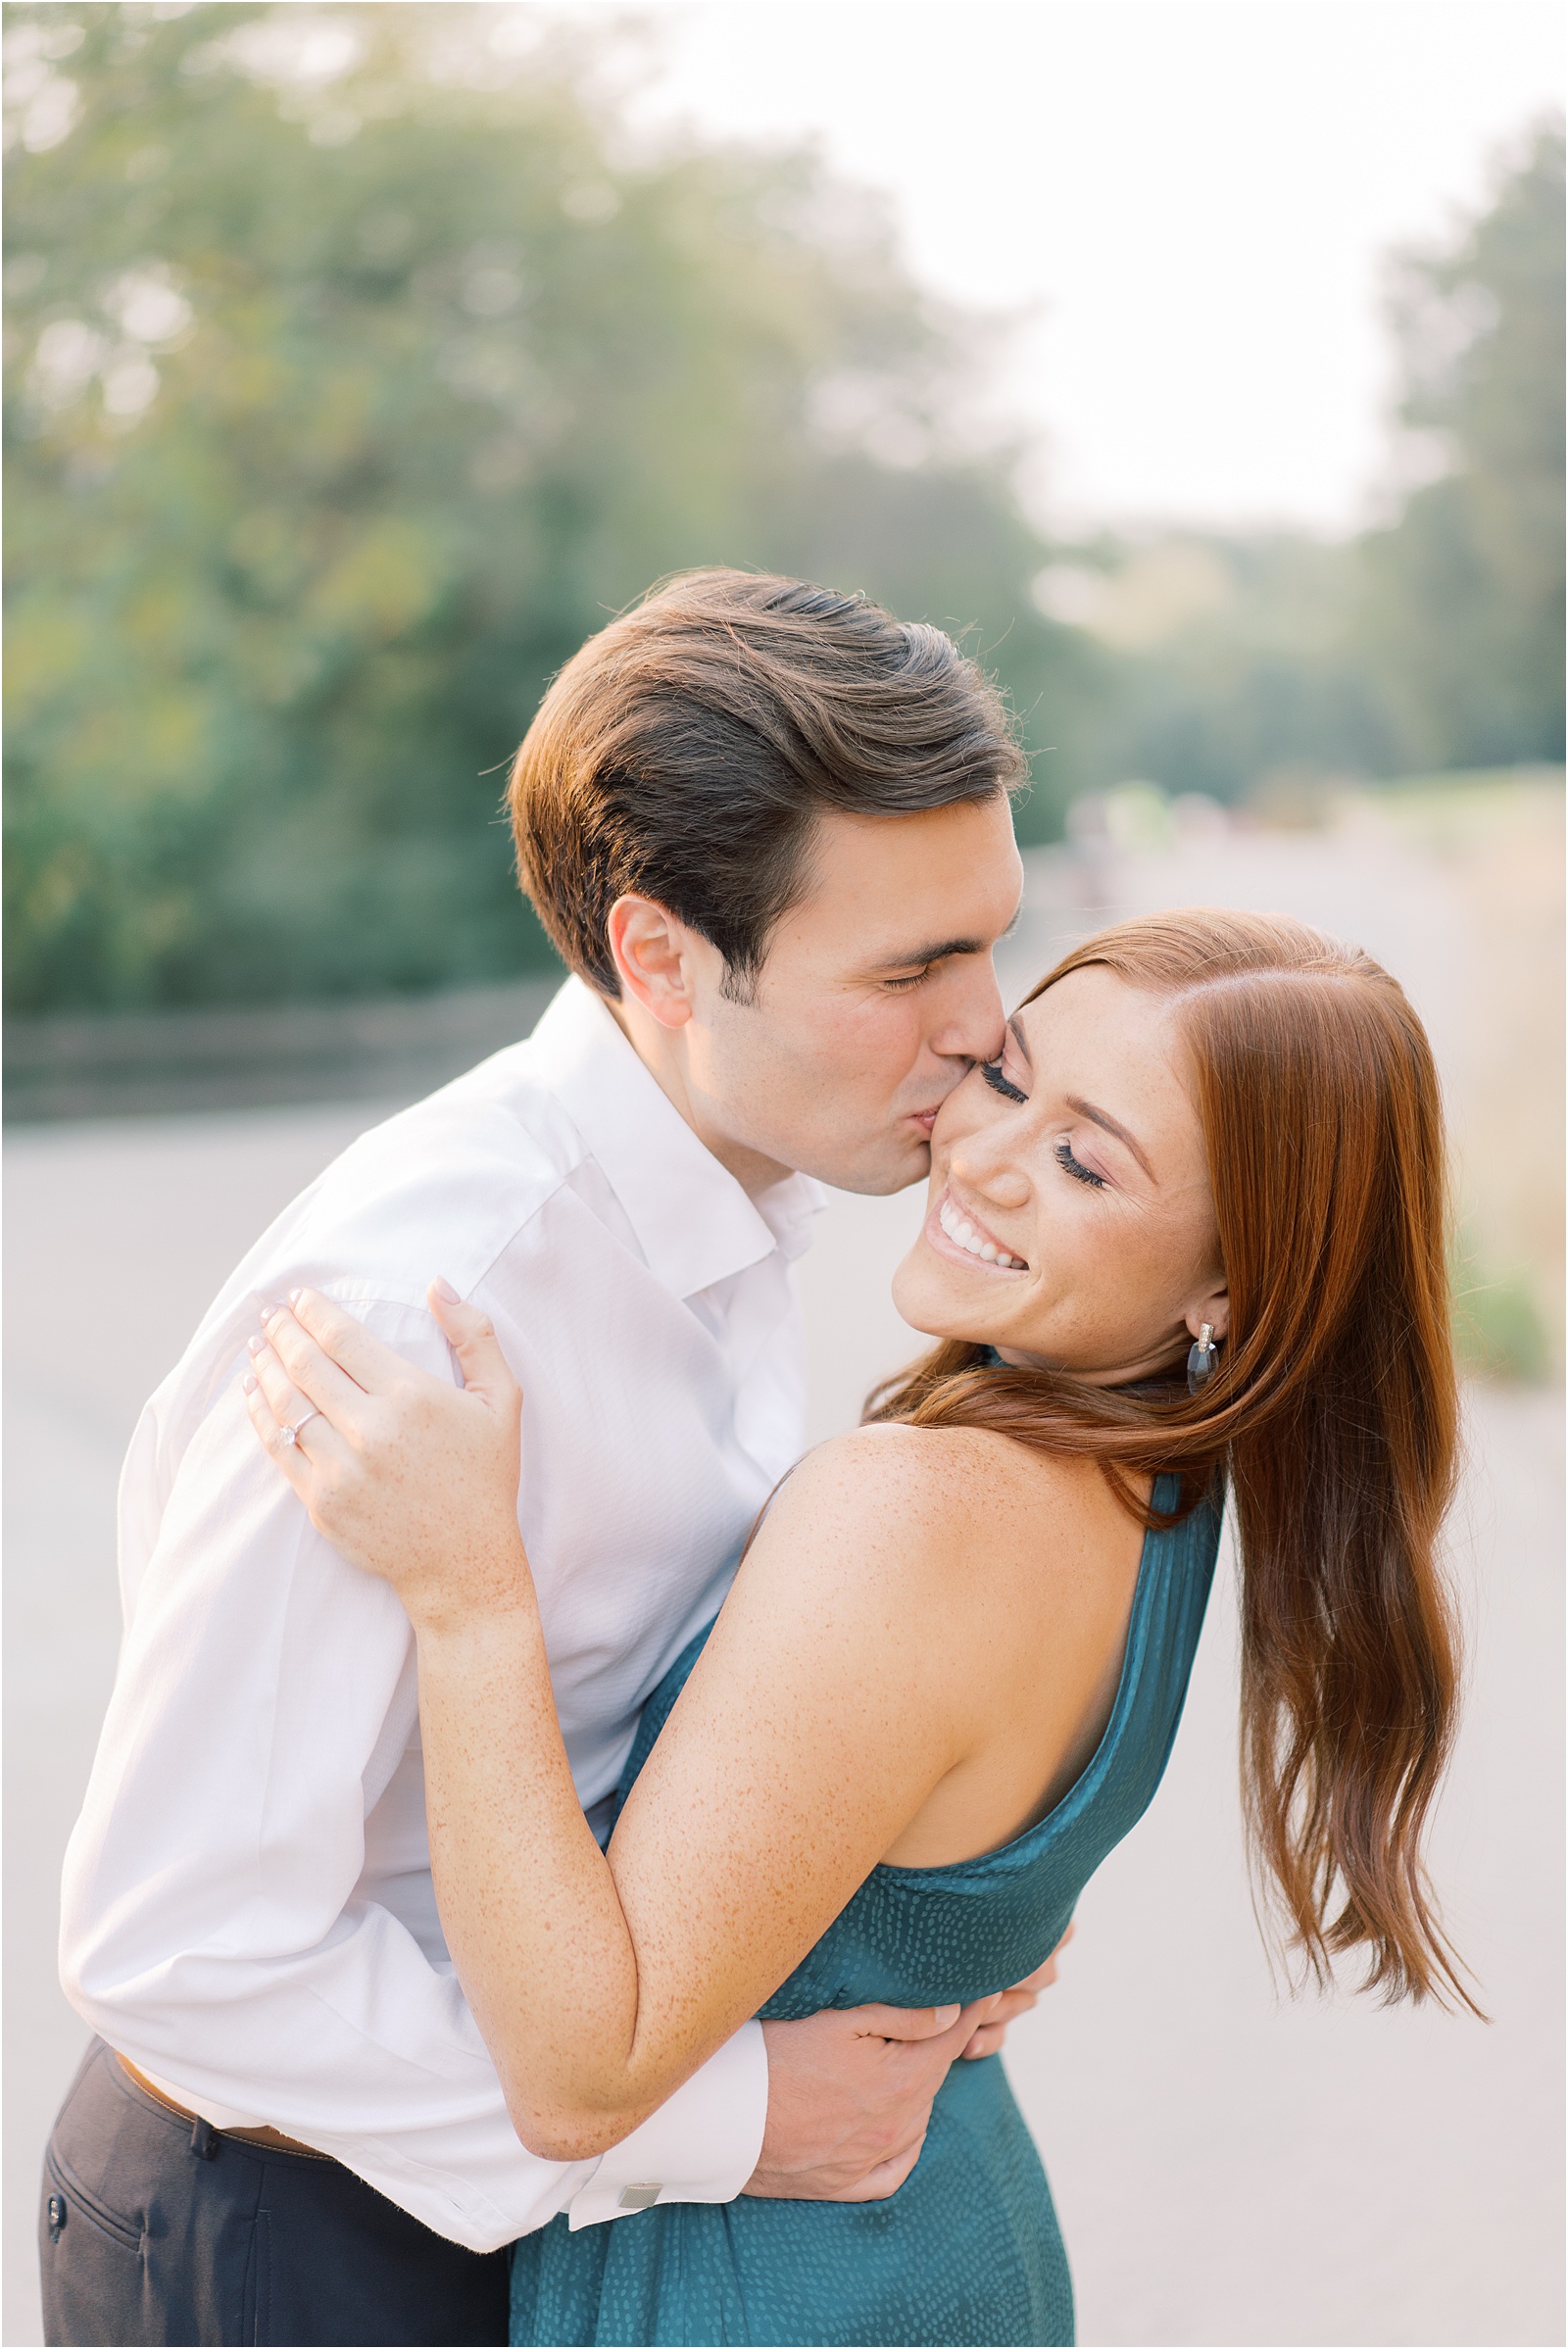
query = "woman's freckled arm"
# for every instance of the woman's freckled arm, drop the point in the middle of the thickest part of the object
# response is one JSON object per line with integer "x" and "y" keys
{"x": 811, "y": 1731}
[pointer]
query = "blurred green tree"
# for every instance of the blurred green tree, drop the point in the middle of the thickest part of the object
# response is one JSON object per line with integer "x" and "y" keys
{"x": 1464, "y": 602}
{"x": 1228, "y": 660}
{"x": 357, "y": 374}
{"x": 1432, "y": 644}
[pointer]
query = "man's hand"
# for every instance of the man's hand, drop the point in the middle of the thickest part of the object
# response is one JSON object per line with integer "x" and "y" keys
{"x": 849, "y": 2090}
{"x": 848, "y": 2097}
{"x": 1017, "y": 2002}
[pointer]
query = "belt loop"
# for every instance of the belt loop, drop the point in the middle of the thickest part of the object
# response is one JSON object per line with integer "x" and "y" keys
{"x": 204, "y": 2139}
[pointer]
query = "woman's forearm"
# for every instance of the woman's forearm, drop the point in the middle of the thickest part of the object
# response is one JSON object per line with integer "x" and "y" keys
{"x": 527, "y": 1901}
{"x": 809, "y": 1735}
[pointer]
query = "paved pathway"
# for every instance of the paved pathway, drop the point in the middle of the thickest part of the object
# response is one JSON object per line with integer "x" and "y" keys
{"x": 1229, "y": 2166}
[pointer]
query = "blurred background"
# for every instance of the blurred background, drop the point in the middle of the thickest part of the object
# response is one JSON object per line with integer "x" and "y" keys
{"x": 1199, "y": 365}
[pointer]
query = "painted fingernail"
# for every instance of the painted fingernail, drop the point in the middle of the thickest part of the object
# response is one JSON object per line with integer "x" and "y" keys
{"x": 256, "y": 1346}
{"x": 249, "y": 1383}
{"x": 294, "y": 1295}
{"x": 444, "y": 1289}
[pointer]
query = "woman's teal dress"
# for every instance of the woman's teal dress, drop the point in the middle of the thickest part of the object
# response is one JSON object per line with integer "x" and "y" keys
{"x": 967, "y": 2250}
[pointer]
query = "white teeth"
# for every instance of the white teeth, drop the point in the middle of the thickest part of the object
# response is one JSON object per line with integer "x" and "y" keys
{"x": 959, "y": 1228}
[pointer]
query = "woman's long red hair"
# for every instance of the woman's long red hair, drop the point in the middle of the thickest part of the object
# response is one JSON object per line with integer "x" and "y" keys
{"x": 1333, "y": 1414}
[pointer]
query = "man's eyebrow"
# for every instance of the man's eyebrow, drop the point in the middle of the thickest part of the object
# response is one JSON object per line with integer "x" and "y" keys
{"x": 1104, "y": 1118}
{"x": 946, "y": 947}
{"x": 934, "y": 953}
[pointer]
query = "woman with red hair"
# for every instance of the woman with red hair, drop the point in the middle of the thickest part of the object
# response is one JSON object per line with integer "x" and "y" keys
{"x": 1184, "y": 1250}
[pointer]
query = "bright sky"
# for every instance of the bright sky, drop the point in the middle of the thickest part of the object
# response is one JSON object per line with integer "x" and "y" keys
{"x": 1192, "y": 196}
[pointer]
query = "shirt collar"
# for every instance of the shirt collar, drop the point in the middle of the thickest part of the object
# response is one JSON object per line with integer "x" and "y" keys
{"x": 693, "y": 1222}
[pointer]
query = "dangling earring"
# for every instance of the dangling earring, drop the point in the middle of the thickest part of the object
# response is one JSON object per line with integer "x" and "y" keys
{"x": 1202, "y": 1360}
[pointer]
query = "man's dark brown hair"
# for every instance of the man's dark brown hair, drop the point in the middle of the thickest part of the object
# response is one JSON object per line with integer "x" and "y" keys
{"x": 684, "y": 754}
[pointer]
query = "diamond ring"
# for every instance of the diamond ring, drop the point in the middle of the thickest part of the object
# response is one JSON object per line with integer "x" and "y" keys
{"x": 290, "y": 1429}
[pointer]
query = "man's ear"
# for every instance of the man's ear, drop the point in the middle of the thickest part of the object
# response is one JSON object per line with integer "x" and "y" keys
{"x": 650, "y": 946}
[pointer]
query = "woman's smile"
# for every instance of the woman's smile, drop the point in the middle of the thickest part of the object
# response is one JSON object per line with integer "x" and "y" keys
{"x": 954, "y": 1229}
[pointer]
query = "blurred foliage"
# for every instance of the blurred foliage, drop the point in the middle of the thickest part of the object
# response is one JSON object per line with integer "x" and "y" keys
{"x": 1463, "y": 600}
{"x": 1431, "y": 643}
{"x": 1498, "y": 1331}
{"x": 1226, "y": 662}
{"x": 355, "y": 378}
{"x": 357, "y": 366}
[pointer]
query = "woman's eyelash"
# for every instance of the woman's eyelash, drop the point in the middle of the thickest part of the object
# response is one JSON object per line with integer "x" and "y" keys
{"x": 1070, "y": 1165}
{"x": 991, "y": 1071}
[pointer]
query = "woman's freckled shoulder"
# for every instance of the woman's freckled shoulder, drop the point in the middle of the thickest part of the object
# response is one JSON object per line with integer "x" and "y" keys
{"x": 938, "y": 1476}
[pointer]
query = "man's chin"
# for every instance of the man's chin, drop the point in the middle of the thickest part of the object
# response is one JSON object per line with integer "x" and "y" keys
{"x": 887, "y": 1173}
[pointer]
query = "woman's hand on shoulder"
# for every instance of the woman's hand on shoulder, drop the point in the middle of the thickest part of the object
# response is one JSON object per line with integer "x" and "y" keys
{"x": 410, "y": 1477}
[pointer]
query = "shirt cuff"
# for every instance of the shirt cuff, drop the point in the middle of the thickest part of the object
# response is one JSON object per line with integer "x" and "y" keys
{"x": 702, "y": 2146}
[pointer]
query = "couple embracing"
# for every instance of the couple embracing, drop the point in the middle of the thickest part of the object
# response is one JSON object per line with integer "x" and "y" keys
{"x": 560, "y": 1866}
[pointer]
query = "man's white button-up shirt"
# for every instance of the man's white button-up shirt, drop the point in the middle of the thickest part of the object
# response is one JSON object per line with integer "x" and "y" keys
{"x": 248, "y": 1912}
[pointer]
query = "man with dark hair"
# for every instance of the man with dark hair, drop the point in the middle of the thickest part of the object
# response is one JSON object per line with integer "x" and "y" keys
{"x": 691, "y": 748}
{"x": 769, "y": 828}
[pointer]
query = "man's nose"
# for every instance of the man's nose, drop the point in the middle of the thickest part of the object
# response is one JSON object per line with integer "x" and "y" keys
{"x": 972, "y": 1024}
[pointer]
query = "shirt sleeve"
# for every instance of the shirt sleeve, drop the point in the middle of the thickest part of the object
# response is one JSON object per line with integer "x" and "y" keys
{"x": 213, "y": 1927}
